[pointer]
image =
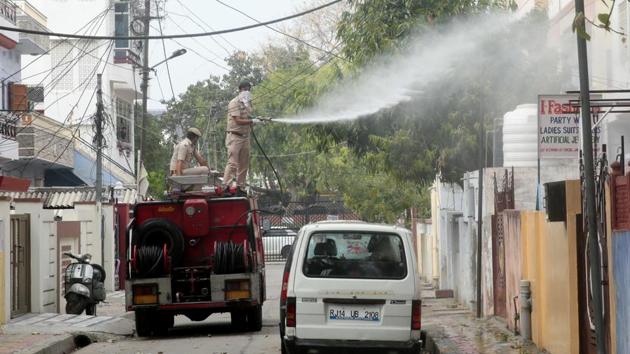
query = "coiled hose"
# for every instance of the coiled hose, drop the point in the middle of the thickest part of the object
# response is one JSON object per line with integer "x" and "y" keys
{"x": 229, "y": 257}
{"x": 150, "y": 261}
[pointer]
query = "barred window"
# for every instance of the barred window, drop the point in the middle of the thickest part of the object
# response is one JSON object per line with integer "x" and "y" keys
{"x": 88, "y": 63}
{"x": 123, "y": 121}
{"x": 62, "y": 57}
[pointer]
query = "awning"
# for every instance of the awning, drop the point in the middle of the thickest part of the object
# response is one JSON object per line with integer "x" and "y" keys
{"x": 62, "y": 177}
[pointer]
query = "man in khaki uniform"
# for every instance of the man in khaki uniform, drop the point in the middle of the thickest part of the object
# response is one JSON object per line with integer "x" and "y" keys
{"x": 181, "y": 161}
{"x": 239, "y": 126}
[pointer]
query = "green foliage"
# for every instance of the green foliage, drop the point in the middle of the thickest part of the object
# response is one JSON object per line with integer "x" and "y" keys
{"x": 377, "y": 27}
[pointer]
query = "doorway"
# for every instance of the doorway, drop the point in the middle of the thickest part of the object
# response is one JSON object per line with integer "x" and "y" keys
{"x": 20, "y": 265}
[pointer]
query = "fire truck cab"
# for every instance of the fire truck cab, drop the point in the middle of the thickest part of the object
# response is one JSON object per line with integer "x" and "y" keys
{"x": 195, "y": 254}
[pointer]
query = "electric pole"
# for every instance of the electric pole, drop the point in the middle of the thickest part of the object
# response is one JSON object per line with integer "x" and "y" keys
{"x": 144, "y": 86}
{"x": 98, "y": 140}
{"x": 482, "y": 165}
{"x": 215, "y": 158}
{"x": 589, "y": 179}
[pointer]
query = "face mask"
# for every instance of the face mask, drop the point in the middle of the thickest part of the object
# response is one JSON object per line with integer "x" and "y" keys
{"x": 245, "y": 97}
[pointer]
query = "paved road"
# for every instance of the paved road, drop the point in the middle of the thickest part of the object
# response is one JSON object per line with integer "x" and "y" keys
{"x": 211, "y": 336}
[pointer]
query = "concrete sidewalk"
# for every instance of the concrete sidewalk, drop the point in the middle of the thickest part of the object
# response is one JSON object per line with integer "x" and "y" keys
{"x": 452, "y": 328}
{"x": 44, "y": 333}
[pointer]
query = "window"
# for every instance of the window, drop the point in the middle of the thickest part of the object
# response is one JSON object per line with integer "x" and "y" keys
{"x": 121, "y": 23}
{"x": 357, "y": 255}
{"x": 123, "y": 122}
{"x": 62, "y": 56}
{"x": 88, "y": 63}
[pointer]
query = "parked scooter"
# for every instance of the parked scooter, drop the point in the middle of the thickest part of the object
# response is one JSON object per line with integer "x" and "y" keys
{"x": 84, "y": 285}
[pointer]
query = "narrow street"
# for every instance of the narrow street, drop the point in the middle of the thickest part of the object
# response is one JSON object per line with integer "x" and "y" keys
{"x": 214, "y": 335}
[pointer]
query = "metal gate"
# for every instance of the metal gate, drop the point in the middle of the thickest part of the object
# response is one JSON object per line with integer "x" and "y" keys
{"x": 20, "y": 265}
{"x": 277, "y": 244}
{"x": 498, "y": 265}
{"x": 503, "y": 200}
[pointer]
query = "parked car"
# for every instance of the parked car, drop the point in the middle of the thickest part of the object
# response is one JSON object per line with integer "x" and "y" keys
{"x": 350, "y": 284}
{"x": 277, "y": 243}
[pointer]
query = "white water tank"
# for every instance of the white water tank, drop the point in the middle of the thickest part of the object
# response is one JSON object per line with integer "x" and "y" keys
{"x": 520, "y": 136}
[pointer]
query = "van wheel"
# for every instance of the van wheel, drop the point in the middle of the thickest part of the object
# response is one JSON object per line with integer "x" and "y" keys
{"x": 254, "y": 318}
{"x": 285, "y": 251}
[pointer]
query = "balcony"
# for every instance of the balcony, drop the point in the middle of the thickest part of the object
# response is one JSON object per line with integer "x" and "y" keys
{"x": 30, "y": 18}
{"x": 126, "y": 56}
{"x": 45, "y": 141}
{"x": 8, "y": 11}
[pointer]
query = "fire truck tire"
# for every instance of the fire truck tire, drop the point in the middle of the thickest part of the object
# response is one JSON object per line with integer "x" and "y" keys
{"x": 239, "y": 318}
{"x": 254, "y": 318}
{"x": 144, "y": 323}
{"x": 156, "y": 232}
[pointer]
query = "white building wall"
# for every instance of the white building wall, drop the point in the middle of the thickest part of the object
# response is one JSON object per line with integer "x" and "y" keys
{"x": 43, "y": 255}
{"x": 65, "y": 100}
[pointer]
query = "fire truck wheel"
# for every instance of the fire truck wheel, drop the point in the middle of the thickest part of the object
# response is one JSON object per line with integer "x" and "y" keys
{"x": 254, "y": 318}
{"x": 156, "y": 232}
{"x": 239, "y": 317}
{"x": 144, "y": 323}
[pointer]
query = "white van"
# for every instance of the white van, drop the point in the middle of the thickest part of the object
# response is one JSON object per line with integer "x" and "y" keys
{"x": 351, "y": 285}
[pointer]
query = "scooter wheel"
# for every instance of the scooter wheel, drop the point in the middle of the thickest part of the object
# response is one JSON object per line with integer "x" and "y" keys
{"x": 90, "y": 310}
{"x": 75, "y": 304}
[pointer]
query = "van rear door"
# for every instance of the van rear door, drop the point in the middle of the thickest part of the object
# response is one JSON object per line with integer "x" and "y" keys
{"x": 354, "y": 286}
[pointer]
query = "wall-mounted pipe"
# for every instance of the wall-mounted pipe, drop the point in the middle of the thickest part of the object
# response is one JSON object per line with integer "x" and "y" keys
{"x": 517, "y": 315}
{"x": 526, "y": 310}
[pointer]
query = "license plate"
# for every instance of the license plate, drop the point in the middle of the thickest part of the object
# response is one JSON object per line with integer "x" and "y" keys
{"x": 354, "y": 313}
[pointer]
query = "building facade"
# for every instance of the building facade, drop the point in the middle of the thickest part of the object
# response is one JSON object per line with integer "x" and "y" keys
{"x": 68, "y": 73}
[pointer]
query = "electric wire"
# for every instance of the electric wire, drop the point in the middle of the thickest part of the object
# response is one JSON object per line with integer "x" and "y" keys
{"x": 89, "y": 23}
{"x": 57, "y": 79}
{"x": 78, "y": 125}
{"x": 172, "y": 36}
{"x": 209, "y": 27}
{"x": 168, "y": 68}
{"x": 283, "y": 33}
{"x": 213, "y": 53}
{"x": 275, "y": 172}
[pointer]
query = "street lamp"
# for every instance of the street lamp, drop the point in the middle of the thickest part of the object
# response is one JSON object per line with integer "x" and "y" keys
{"x": 175, "y": 54}
{"x": 119, "y": 192}
{"x": 145, "y": 88}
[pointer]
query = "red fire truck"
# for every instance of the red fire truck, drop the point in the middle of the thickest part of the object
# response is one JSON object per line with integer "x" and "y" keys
{"x": 195, "y": 254}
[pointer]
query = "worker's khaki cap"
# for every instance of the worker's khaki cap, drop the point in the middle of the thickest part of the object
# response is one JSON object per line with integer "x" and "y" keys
{"x": 194, "y": 131}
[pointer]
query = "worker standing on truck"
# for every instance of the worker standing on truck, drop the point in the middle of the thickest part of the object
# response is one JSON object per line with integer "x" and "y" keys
{"x": 181, "y": 161}
{"x": 239, "y": 127}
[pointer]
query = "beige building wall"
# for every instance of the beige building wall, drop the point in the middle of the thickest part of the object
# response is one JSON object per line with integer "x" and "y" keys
{"x": 549, "y": 262}
{"x": 5, "y": 266}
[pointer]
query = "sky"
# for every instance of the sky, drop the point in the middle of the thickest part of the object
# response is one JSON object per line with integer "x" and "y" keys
{"x": 191, "y": 67}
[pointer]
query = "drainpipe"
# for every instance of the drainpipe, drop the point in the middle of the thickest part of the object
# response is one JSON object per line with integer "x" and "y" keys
{"x": 526, "y": 310}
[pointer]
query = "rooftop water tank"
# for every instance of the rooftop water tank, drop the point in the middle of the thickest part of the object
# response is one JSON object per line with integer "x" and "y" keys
{"x": 520, "y": 136}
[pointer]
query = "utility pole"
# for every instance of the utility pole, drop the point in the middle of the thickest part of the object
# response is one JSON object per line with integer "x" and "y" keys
{"x": 215, "y": 157}
{"x": 482, "y": 164}
{"x": 144, "y": 86}
{"x": 98, "y": 139}
{"x": 589, "y": 180}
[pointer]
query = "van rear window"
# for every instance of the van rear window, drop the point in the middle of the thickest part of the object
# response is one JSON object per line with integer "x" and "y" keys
{"x": 355, "y": 255}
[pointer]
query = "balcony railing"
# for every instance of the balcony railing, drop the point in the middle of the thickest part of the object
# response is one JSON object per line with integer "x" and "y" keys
{"x": 126, "y": 56}
{"x": 25, "y": 21}
{"x": 8, "y": 10}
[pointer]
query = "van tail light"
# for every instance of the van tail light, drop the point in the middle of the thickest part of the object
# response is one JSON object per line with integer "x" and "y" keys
{"x": 416, "y": 314}
{"x": 291, "y": 315}
{"x": 285, "y": 287}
